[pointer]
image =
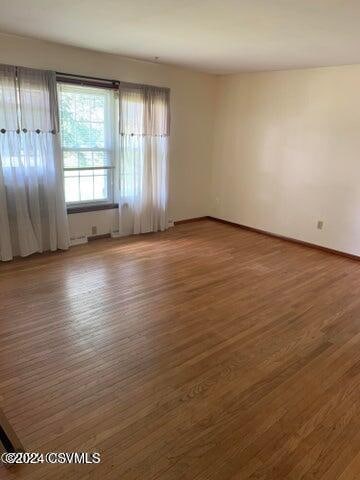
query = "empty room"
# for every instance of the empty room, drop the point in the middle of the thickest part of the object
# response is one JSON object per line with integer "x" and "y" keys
{"x": 180, "y": 240}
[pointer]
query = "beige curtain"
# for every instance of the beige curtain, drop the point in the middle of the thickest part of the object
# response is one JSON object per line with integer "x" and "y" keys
{"x": 142, "y": 173}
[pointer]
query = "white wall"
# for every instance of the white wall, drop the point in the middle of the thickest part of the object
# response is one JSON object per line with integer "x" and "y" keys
{"x": 192, "y": 104}
{"x": 287, "y": 153}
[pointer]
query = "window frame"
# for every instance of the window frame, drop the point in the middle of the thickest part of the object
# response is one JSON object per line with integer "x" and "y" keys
{"x": 101, "y": 204}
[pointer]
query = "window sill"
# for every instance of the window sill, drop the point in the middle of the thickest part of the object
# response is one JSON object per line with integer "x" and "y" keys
{"x": 91, "y": 208}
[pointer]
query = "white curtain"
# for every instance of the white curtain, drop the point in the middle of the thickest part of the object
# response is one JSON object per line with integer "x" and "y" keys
{"x": 141, "y": 185}
{"x": 32, "y": 205}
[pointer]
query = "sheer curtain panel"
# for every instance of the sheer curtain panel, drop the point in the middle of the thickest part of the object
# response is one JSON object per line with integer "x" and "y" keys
{"x": 32, "y": 206}
{"x": 142, "y": 173}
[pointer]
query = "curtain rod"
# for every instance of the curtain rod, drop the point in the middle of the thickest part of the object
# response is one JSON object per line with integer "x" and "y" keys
{"x": 86, "y": 77}
{"x": 107, "y": 80}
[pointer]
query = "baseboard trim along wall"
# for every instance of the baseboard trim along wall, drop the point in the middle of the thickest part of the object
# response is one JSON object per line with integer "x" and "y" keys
{"x": 190, "y": 220}
{"x": 286, "y": 239}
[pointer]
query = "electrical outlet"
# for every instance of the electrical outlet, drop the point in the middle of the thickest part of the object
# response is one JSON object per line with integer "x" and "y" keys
{"x": 93, "y": 230}
{"x": 320, "y": 224}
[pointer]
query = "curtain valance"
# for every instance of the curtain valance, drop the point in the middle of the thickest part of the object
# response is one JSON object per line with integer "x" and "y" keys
{"x": 28, "y": 100}
{"x": 144, "y": 110}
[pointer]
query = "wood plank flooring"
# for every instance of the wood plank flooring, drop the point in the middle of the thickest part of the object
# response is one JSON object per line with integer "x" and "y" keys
{"x": 204, "y": 352}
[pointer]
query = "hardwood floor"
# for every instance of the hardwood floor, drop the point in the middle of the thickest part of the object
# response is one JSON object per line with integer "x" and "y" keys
{"x": 205, "y": 352}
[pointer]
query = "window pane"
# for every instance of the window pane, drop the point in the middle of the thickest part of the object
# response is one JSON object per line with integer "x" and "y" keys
{"x": 70, "y": 159}
{"x": 97, "y": 134}
{"x": 86, "y": 188}
{"x": 83, "y": 116}
{"x": 97, "y": 113}
{"x": 85, "y": 159}
{"x": 72, "y": 189}
{"x": 100, "y": 159}
{"x": 100, "y": 187}
{"x": 83, "y": 135}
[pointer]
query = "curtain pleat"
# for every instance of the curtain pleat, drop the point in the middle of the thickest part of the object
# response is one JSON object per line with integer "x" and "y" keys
{"x": 32, "y": 206}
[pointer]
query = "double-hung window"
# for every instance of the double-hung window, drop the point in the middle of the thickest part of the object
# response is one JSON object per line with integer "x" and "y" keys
{"x": 87, "y": 126}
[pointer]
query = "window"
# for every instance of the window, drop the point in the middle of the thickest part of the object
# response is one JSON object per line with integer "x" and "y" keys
{"x": 87, "y": 141}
